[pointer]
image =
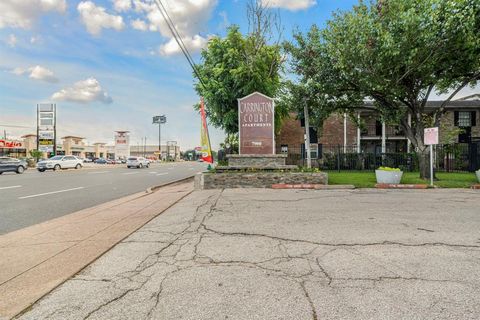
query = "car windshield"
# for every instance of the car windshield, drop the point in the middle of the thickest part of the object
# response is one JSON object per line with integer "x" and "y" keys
{"x": 56, "y": 158}
{"x": 132, "y": 159}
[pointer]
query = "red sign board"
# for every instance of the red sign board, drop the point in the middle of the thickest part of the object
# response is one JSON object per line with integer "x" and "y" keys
{"x": 256, "y": 121}
{"x": 430, "y": 136}
{"x": 10, "y": 144}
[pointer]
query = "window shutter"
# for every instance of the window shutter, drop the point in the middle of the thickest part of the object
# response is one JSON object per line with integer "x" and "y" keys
{"x": 313, "y": 135}
{"x": 302, "y": 122}
{"x": 320, "y": 151}
{"x": 302, "y": 150}
{"x": 473, "y": 118}
{"x": 455, "y": 118}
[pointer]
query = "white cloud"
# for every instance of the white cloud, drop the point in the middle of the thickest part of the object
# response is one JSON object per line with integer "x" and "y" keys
{"x": 122, "y": 5}
{"x": 22, "y": 13}
{"x": 190, "y": 18}
{"x": 36, "y": 40}
{"x": 37, "y": 73}
{"x": 139, "y": 24}
{"x": 292, "y": 5}
{"x": 193, "y": 44}
{"x": 12, "y": 40}
{"x": 95, "y": 18}
{"x": 84, "y": 91}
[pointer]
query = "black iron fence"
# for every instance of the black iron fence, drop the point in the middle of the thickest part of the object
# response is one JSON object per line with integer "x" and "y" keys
{"x": 461, "y": 157}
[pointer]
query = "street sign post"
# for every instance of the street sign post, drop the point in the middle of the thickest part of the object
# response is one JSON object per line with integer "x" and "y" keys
{"x": 430, "y": 137}
{"x": 160, "y": 120}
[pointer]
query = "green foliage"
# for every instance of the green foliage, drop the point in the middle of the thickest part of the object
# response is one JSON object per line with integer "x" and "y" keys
{"x": 36, "y": 154}
{"x": 234, "y": 67}
{"x": 394, "y": 53}
{"x": 388, "y": 169}
{"x": 306, "y": 169}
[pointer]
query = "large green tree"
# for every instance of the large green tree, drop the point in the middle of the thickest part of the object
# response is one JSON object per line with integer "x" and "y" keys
{"x": 394, "y": 53}
{"x": 238, "y": 65}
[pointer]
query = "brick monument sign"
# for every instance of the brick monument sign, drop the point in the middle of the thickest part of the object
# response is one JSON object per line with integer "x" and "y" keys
{"x": 256, "y": 123}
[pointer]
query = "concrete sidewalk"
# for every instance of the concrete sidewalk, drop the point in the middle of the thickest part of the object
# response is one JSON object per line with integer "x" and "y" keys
{"x": 288, "y": 254}
{"x": 36, "y": 259}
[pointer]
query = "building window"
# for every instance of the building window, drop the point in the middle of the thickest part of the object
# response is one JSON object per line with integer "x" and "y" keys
{"x": 464, "y": 119}
{"x": 284, "y": 148}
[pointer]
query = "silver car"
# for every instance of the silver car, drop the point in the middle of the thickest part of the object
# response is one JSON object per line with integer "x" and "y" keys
{"x": 137, "y": 162}
{"x": 59, "y": 162}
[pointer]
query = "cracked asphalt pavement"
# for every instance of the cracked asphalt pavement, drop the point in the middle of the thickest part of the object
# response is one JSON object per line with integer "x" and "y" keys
{"x": 288, "y": 254}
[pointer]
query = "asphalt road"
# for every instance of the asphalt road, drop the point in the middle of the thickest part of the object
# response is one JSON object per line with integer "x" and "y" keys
{"x": 34, "y": 197}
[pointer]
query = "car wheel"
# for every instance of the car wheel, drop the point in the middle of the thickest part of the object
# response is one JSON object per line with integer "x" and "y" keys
{"x": 57, "y": 167}
{"x": 148, "y": 165}
{"x": 78, "y": 166}
{"x": 41, "y": 170}
{"x": 20, "y": 169}
{"x": 140, "y": 166}
{"x": 1, "y": 172}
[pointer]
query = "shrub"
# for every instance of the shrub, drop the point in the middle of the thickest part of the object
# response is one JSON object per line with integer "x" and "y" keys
{"x": 388, "y": 169}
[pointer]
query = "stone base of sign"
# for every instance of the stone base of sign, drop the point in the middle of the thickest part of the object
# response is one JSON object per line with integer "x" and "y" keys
{"x": 261, "y": 179}
{"x": 244, "y": 168}
{"x": 476, "y": 187}
{"x": 258, "y": 161}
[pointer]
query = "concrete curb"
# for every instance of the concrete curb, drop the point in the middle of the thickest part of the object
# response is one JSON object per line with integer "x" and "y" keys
{"x": 400, "y": 186}
{"x": 155, "y": 188}
{"x": 280, "y": 186}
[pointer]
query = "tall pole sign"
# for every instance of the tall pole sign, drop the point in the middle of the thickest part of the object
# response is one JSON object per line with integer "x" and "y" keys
{"x": 256, "y": 122}
{"x": 47, "y": 128}
{"x": 430, "y": 138}
{"x": 160, "y": 120}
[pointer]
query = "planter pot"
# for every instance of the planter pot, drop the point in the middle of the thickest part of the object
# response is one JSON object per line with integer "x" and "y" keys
{"x": 390, "y": 177}
{"x": 478, "y": 175}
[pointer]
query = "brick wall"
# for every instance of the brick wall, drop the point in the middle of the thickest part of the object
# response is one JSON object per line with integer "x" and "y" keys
{"x": 291, "y": 132}
{"x": 332, "y": 131}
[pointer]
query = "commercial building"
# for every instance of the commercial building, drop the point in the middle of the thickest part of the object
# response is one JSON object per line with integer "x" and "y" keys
{"x": 76, "y": 145}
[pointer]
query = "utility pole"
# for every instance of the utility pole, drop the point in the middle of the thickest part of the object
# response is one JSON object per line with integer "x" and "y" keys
{"x": 145, "y": 147}
{"x": 307, "y": 135}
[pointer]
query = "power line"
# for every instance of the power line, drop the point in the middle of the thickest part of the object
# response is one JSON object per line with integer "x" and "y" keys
{"x": 178, "y": 38}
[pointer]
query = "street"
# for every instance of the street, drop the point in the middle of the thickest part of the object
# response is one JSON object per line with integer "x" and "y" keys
{"x": 34, "y": 197}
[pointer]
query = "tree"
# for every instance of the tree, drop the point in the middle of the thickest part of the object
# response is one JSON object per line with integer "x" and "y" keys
{"x": 394, "y": 53}
{"x": 238, "y": 65}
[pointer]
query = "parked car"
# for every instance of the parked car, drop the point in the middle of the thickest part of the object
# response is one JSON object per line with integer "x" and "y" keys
{"x": 59, "y": 162}
{"x": 101, "y": 161}
{"x": 87, "y": 160}
{"x": 137, "y": 162}
{"x": 8, "y": 164}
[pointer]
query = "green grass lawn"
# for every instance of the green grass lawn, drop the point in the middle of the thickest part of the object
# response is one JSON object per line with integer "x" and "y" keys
{"x": 366, "y": 179}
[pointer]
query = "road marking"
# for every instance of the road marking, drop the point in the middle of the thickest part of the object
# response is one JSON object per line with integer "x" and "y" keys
{"x": 11, "y": 187}
{"x": 47, "y": 193}
{"x": 130, "y": 173}
{"x": 190, "y": 168}
{"x": 171, "y": 168}
{"x": 98, "y": 172}
{"x": 153, "y": 172}
{"x": 162, "y": 174}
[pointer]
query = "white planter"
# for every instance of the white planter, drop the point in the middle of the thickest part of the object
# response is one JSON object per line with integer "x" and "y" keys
{"x": 478, "y": 175}
{"x": 391, "y": 177}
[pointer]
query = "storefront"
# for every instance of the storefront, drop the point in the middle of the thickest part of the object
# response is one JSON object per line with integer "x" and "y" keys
{"x": 12, "y": 148}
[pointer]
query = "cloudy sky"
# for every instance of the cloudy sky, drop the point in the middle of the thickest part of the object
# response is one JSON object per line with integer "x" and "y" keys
{"x": 112, "y": 64}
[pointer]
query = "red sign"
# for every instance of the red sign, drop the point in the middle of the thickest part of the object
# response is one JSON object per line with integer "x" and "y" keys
{"x": 256, "y": 121}
{"x": 430, "y": 136}
{"x": 10, "y": 144}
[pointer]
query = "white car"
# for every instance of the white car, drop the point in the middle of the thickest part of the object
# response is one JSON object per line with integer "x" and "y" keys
{"x": 137, "y": 162}
{"x": 59, "y": 162}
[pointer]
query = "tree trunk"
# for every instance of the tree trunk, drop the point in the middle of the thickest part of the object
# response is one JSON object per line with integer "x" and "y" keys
{"x": 424, "y": 162}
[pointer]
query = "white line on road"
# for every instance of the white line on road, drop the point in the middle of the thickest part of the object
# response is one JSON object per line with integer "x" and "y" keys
{"x": 98, "y": 172}
{"x": 162, "y": 174}
{"x": 47, "y": 193}
{"x": 11, "y": 187}
{"x": 153, "y": 172}
{"x": 126, "y": 173}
